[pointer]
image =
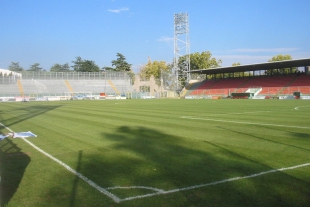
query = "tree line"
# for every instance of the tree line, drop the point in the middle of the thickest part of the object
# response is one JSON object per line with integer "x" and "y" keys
{"x": 203, "y": 60}
{"x": 79, "y": 65}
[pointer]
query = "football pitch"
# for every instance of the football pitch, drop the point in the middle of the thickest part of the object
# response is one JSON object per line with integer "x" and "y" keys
{"x": 156, "y": 153}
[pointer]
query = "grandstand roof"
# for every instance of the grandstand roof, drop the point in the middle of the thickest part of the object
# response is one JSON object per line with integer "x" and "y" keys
{"x": 8, "y": 72}
{"x": 254, "y": 67}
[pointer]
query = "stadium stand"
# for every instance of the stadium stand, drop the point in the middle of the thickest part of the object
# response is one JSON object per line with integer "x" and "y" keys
{"x": 300, "y": 83}
{"x": 269, "y": 85}
{"x": 269, "y": 78}
{"x": 199, "y": 88}
{"x": 218, "y": 87}
{"x": 301, "y": 80}
{"x": 53, "y": 84}
{"x": 225, "y": 86}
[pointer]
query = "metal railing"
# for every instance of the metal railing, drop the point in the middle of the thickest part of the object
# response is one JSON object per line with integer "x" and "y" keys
{"x": 44, "y": 75}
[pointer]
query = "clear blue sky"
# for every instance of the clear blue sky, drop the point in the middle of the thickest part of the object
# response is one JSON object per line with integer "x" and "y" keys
{"x": 57, "y": 31}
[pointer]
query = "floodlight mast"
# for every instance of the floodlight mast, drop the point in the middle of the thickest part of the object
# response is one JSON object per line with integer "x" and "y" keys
{"x": 181, "y": 49}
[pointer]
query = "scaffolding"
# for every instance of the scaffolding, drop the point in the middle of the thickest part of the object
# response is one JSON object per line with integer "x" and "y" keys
{"x": 181, "y": 50}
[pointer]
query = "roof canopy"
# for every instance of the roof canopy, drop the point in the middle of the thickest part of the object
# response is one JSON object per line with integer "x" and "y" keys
{"x": 254, "y": 67}
{"x": 8, "y": 72}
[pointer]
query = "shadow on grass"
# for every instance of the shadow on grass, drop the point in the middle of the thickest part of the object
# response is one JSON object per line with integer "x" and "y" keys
{"x": 139, "y": 156}
{"x": 31, "y": 111}
{"x": 146, "y": 157}
{"x": 76, "y": 181}
{"x": 150, "y": 158}
{"x": 13, "y": 163}
{"x": 295, "y": 135}
{"x": 301, "y": 135}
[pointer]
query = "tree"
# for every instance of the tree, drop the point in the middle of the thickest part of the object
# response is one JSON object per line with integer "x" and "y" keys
{"x": 15, "y": 67}
{"x": 56, "y": 68}
{"x": 281, "y": 57}
{"x": 202, "y": 60}
{"x": 108, "y": 68}
{"x": 81, "y": 65}
{"x": 157, "y": 68}
{"x": 66, "y": 67}
{"x": 238, "y": 74}
{"x": 89, "y": 66}
{"x": 35, "y": 67}
{"x": 154, "y": 68}
{"x": 77, "y": 64}
{"x": 60, "y": 68}
{"x": 236, "y": 64}
{"x": 198, "y": 61}
{"x": 120, "y": 63}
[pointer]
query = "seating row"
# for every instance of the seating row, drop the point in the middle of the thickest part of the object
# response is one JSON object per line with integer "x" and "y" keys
{"x": 271, "y": 85}
{"x": 22, "y": 87}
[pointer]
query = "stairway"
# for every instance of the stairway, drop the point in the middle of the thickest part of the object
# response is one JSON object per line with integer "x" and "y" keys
{"x": 69, "y": 86}
{"x": 20, "y": 87}
{"x": 185, "y": 90}
{"x": 113, "y": 87}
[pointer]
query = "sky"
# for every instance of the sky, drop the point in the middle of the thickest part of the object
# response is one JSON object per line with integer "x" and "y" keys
{"x": 57, "y": 31}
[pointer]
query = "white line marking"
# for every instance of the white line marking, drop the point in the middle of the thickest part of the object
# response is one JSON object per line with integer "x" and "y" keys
{"x": 298, "y": 107}
{"x": 215, "y": 183}
{"x": 240, "y": 122}
{"x": 100, "y": 189}
{"x": 157, "y": 191}
{"x": 252, "y": 112}
{"x": 91, "y": 183}
{"x": 134, "y": 187}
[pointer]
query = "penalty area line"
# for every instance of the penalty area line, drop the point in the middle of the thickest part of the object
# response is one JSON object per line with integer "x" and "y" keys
{"x": 241, "y": 113}
{"x": 91, "y": 183}
{"x": 215, "y": 183}
{"x": 241, "y": 122}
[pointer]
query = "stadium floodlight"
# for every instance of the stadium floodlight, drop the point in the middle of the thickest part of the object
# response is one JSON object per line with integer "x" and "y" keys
{"x": 181, "y": 49}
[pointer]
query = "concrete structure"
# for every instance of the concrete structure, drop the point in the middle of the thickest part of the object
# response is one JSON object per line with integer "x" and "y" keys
{"x": 4, "y": 72}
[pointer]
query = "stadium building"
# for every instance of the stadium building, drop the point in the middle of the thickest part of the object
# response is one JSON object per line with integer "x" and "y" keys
{"x": 282, "y": 79}
{"x": 278, "y": 80}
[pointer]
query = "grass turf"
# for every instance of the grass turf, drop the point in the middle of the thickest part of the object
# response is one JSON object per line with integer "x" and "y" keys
{"x": 164, "y": 144}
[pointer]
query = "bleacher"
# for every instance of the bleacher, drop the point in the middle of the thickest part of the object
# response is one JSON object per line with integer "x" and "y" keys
{"x": 218, "y": 87}
{"x": 300, "y": 83}
{"x": 201, "y": 87}
{"x": 53, "y": 84}
{"x": 225, "y": 86}
{"x": 301, "y": 80}
{"x": 270, "y": 85}
{"x": 99, "y": 86}
{"x": 9, "y": 89}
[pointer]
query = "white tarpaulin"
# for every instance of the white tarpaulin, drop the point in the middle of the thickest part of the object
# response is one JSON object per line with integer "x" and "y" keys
{"x": 2, "y": 136}
{"x": 18, "y": 135}
{"x": 23, "y": 134}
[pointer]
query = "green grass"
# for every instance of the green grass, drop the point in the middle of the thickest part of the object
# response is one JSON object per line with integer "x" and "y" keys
{"x": 148, "y": 143}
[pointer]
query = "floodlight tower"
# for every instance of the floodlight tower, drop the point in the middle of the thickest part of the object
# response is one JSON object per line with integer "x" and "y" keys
{"x": 181, "y": 49}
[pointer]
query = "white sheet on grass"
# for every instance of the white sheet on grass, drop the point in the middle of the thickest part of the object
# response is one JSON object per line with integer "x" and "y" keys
{"x": 23, "y": 134}
{"x": 18, "y": 135}
{"x": 2, "y": 136}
